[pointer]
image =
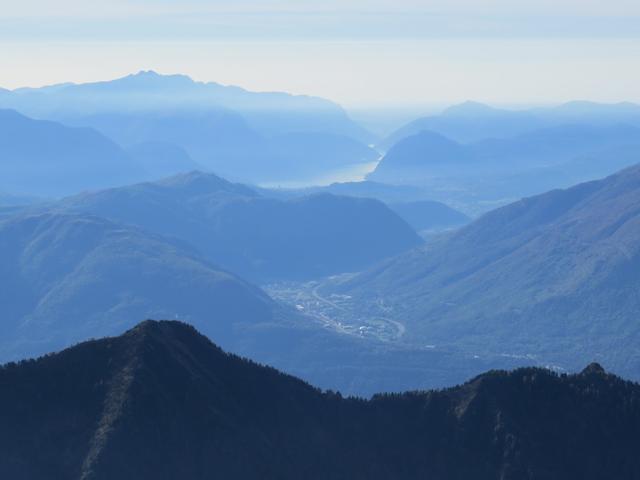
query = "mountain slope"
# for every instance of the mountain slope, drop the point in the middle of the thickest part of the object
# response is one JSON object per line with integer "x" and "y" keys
{"x": 420, "y": 155}
{"x": 554, "y": 276}
{"x": 46, "y": 158}
{"x": 259, "y": 238}
{"x": 161, "y": 402}
{"x": 429, "y": 215}
{"x": 65, "y": 278}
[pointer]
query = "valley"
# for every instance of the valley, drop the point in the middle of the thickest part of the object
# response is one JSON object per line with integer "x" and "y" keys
{"x": 339, "y": 312}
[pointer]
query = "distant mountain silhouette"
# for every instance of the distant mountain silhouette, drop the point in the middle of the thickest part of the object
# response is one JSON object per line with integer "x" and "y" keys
{"x": 222, "y": 140}
{"x": 423, "y": 154}
{"x": 48, "y": 159}
{"x": 552, "y": 276}
{"x": 411, "y": 203}
{"x": 239, "y": 133}
{"x": 472, "y": 121}
{"x": 508, "y": 168}
{"x": 469, "y": 122}
{"x": 257, "y": 237}
{"x": 555, "y": 145}
{"x": 592, "y": 113}
{"x": 161, "y": 401}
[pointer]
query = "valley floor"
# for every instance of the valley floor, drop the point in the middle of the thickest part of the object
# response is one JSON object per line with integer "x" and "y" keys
{"x": 338, "y": 312}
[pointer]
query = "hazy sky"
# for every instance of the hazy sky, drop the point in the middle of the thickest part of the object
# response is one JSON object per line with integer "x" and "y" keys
{"x": 355, "y": 52}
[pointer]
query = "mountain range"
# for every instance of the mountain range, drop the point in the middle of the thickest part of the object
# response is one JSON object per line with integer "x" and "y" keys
{"x": 260, "y": 238}
{"x": 474, "y": 177}
{"x": 162, "y": 401}
{"x": 471, "y": 122}
{"x": 65, "y": 278}
{"x": 247, "y": 135}
{"x": 551, "y": 277}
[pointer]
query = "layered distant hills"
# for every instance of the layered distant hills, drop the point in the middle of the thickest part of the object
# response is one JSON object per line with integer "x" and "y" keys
{"x": 65, "y": 278}
{"x": 411, "y": 203}
{"x": 552, "y": 277}
{"x": 478, "y": 175}
{"x": 47, "y": 159}
{"x": 247, "y": 135}
{"x": 162, "y": 401}
{"x": 471, "y": 122}
{"x": 257, "y": 237}
{"x": 564, "y": 150}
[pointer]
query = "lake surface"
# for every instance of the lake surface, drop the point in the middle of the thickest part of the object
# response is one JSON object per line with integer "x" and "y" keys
{"x": 350, "y": 173}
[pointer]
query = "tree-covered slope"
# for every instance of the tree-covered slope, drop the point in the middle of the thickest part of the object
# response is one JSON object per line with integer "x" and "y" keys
{"x": 65, "y": 278}
{"x": 163, "y": 402}
{"x": 553, "y": 276}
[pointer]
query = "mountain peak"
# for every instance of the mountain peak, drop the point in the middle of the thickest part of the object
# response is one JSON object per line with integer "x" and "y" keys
{"x": 162, "y": 327}
{"x": 201, "y": 183}
{"x": 153, "y": 77}
{"x": 163, "y": 402}
{"x": 171, "y": 333}
{"x": 593, "y": 369}
{"x": 469, "y": 108}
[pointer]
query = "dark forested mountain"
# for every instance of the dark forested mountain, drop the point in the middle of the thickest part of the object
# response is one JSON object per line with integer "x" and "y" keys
{"x": 246, "y": 135}
{"x": 257, "y": 237}
{"x": 553, "y": 276}
{"x": 65, "y": 278}
{"x": 48, "y": 159}
{"x": 163, "y": 402}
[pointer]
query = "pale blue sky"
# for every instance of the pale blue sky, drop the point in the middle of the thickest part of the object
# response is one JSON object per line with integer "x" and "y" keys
{"x": 356, "y": 52}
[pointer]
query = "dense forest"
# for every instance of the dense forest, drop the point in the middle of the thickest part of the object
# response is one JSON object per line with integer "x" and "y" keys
{"x": 163, "y": 402}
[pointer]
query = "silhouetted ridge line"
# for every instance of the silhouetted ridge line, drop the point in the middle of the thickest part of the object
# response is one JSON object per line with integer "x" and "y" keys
{"x": 162, "y": 401}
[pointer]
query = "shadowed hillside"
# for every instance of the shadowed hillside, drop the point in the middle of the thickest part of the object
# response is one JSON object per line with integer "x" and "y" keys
{"x": 163, "y": 402}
